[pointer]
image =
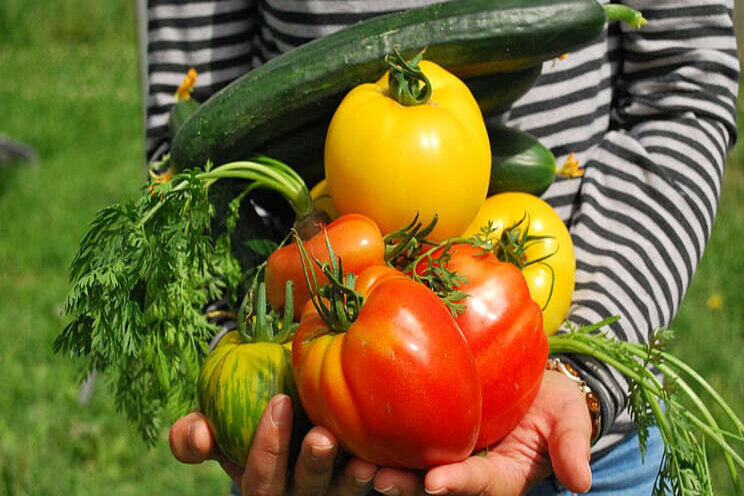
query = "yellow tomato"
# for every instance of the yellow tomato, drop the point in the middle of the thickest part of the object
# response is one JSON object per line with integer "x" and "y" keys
{"x": 322, "y": 199}
{"x": 390, "y": 161}
{"x": 506, "y": 209}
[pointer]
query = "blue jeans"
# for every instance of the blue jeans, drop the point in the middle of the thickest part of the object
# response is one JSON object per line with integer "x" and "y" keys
{"x": 620, "y": 472}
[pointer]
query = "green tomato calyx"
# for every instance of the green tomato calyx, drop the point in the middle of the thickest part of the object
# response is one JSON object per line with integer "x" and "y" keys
{"x": 406, "y": 78}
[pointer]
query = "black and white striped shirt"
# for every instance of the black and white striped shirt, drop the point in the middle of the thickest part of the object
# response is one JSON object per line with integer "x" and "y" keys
{"x": 649, "y": 114}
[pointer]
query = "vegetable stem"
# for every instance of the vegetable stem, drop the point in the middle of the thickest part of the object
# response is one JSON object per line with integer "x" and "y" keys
{"x": 617, "y": 12}
{"x": 405, "y": 78}
{"x": 265, "y": 172}
{"x": 685, "y": 466}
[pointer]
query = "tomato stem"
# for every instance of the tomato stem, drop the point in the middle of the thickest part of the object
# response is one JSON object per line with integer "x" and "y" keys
{"x": 336, "y": 302}
{"x": 401, "y": 245}
{"x": 259, "y": 323}
{"x": 405, "y": 78}
{"x": 512, "y": 246}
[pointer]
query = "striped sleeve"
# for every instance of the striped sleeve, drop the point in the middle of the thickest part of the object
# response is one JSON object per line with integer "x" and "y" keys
{"x": 648, "y": 197}
{"x": 215, "y": 37}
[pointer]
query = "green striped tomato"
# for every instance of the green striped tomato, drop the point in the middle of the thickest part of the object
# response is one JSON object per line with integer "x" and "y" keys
{"x": 236, "y": 382}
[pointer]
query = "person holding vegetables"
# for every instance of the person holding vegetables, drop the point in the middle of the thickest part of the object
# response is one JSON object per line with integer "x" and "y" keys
{"x": 649, "y": 114}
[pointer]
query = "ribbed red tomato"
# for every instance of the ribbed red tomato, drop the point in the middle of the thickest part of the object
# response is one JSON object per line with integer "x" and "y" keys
{"x": 399, "y": 387}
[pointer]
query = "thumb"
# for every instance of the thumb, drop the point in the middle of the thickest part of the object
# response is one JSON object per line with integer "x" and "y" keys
{"x": 569, "y": 446}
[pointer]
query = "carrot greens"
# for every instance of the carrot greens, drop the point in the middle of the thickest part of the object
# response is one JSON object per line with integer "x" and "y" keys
{"x": 664, "y": 403}
{"x": 143, "y": 276}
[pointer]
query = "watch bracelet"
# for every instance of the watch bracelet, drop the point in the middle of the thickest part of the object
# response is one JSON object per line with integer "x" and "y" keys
{"x": 592, "y": 400}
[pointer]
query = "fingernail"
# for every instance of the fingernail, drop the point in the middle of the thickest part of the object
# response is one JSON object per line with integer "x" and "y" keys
{"x": 363, "y": 482}
{"x": 280, "y": 412}
{"x": 320, "y": 451}
{"x": 436, "y": 492}
{"x": 389, "y": 491}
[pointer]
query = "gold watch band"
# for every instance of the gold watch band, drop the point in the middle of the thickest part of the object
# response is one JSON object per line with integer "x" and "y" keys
{"x": 592, "y": 400}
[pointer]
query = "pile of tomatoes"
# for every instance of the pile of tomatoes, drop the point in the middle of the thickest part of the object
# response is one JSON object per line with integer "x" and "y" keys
{"x": 414, "y": 346}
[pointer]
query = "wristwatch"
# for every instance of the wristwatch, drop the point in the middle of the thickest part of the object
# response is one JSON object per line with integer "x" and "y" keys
{"x": 592, "y": 400}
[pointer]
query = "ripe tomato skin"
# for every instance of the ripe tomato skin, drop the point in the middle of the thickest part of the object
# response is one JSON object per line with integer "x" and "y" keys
{"x": 355, "y": 238}
{"x": 391, "y": 161}
{"x": 400, "y": 387}
{"x": 505, "y": 209}
{"x": 503, "y": 327}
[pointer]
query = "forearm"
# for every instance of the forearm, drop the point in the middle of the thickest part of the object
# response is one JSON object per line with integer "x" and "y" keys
{"x": 650, "y": 188}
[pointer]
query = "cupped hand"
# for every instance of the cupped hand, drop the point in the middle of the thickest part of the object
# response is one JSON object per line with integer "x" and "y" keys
{"x": 554, "y": 436}
{"x": 266, "y": 470}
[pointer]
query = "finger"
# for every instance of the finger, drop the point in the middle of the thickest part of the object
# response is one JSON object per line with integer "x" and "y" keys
{"x": 266, "y": 466}
{"x": 569, "y": 448}
{"x": 190, "y": 439}
{"x": 314, "y": 467}
{"x": 495, "y": 474}
{"x": 473, "y": 476}
{"x": 395, "y": 482}
{"x": 356, "y": 479}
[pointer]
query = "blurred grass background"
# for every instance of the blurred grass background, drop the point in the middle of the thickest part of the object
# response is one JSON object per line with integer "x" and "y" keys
{"x": 69, "y": 87}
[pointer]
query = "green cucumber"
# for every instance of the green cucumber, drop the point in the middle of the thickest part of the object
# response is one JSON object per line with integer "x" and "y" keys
{"x": 519, "y": 162}
{"x": 470, "y": 38}
{"x": 179, "y": 113}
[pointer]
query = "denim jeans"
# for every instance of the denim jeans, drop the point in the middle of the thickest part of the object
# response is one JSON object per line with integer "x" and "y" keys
{"x": 620, "y": 472}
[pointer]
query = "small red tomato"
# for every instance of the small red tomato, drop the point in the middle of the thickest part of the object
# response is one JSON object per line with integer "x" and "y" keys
{"x": 355, "y": 238}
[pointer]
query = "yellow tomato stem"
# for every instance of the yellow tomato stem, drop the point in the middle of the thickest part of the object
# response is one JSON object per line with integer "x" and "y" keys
{"x": 405, "y": 79}
{"x": 552, "y": 287}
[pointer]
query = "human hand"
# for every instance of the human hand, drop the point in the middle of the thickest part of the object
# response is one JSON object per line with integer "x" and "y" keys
{"x": 266, "y": 468}
{"x": 556, "y": 428}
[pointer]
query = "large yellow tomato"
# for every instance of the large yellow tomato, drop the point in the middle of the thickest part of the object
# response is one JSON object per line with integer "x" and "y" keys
{"x": 390, "y": 161}
{"x": 506, "y": 209}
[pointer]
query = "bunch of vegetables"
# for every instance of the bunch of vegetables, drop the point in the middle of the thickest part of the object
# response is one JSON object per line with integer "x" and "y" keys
{"x": 416, "y": 325}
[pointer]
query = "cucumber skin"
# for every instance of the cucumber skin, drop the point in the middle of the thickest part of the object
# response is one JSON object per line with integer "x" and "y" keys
{"x": 179, "y": 113}
{"x": 467, "y": 37}
{"x": 519, "y": 162}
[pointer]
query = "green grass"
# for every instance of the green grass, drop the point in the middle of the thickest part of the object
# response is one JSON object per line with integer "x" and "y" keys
{"x": 69, "y": 88}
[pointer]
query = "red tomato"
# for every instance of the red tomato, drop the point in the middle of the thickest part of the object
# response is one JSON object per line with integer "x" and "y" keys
{"x": 356, "y": 239}
{"x": 503, "y": 326}
{"x": 400, "y": 386}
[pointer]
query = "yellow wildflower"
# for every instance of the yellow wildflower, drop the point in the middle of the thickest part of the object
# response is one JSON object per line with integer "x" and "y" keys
{"x": 715, "y": 301}
{"x": 187, "y": 86}
{"x": 570, "y": 168}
